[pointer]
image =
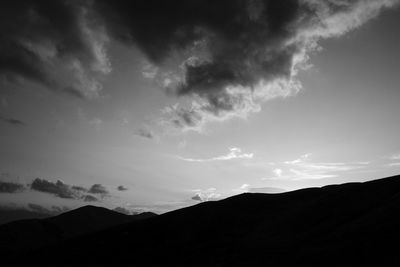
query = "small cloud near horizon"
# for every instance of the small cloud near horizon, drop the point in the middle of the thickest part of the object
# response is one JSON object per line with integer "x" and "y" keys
{"x": 206, "y": 195}
{"x": 11, "y": 187}
{"x": 122, "y": 188}
{"x": 98, "y": 189}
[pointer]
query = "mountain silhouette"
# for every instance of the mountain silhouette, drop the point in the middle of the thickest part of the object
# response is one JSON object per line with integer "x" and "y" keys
{"x": 8, "y": 215}
{"x": 354, "y": 224}
{"x": 34, "y": 233}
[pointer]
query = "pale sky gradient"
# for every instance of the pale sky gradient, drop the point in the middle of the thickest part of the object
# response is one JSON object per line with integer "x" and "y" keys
{"x": 342, "y": 126}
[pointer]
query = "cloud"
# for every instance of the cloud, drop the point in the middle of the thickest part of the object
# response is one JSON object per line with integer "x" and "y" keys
{"x": 235, "y": 153}
{"x": 303, "y": 168}
{"x": 12, "y": 121}
{"x": 98, "y": 189}
{"x": 242, "y": 189}
{"x": 277, "y": 172}
{"x": 232, "y": 55}
{"x": 45, "y": 41}
{"x": 149, "y": 71}
{"x": 194, "y": 116}
{"x": 122, "y": 188}
{"x": 229, "y": 56}
{"x": 10, "y": 187}
{"x": 393, "y": 164}
{"x": 145, "y": 133}
{"x": 197, "y": 197}
{"x": 267, "y": 190}
{"x": 62, "y": 190}
{"x": 393, "y": 160}
{"x": 89, "y": 198}
{"x": 206, "y": 195}
{"x": 124, "y": 211}
{"x": 79, "y": 188}
{"x": 395, "y": 157}
{"x": 59, "y": 188}
{"x": 246, "y": 188}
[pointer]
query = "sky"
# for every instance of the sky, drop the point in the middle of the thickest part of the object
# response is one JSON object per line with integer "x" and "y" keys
{"x": 156, "y": 106}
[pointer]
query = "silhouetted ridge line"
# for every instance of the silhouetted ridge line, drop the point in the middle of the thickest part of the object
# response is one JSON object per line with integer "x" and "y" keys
{"x": 352, "y": 224}
{"x": 35, "y": 233}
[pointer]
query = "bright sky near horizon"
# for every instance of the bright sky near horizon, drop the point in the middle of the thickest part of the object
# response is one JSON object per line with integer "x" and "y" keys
{"x": 129, "y": 133}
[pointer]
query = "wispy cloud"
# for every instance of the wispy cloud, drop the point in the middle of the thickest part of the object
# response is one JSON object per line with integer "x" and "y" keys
{"x": 242, "y": 189}
{"x": 303, "y": 168}
{"x": 234, "y": 153}
{"x": 12, "y": 121}
{"x": 395, "y": 156}
{"x": 392, "y": 160}
{"x": 393, "y": 164}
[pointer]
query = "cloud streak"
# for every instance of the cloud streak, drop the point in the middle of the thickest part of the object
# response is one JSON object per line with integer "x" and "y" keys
{"x": 234, "y": 153}
{"x": 12, "y": 121}
{"x": 303, "y": 169}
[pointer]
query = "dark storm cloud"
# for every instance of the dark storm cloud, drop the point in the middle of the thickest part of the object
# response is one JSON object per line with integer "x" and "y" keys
{"x": 41, "y": 39}
{"x": 122, "y": 188}
{"x": 10, "y": 187}
{"x": 244, "y": 40}
{"x": 235, "y": 53}
{"x": 89, "y": 198}
{"x": 98, "y": 189}
{"x": 12, "y": 121}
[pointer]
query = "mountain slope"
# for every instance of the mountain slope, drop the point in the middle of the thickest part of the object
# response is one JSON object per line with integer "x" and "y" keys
{"x": 8, "y": 215}
{"x": 342, "y": 225}
{"x": 33, "y": 233}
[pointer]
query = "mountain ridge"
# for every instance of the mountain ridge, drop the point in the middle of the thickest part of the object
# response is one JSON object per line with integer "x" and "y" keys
{"x": 350, "y": 224}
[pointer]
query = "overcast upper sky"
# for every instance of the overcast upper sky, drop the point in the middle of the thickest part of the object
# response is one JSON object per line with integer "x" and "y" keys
{"x": 155, "y": 106}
